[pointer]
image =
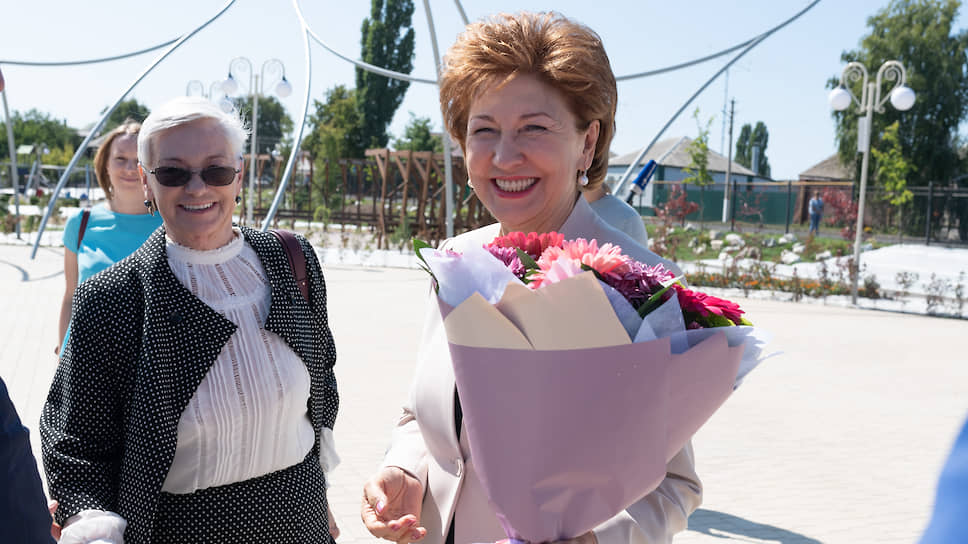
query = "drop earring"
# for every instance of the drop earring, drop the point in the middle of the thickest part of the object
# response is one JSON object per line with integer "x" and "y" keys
{"x": 583, "y": 178}
{"x": 151, "y": 207}
{"x": 469, "y": 184}
{"x": 238, "y": 199}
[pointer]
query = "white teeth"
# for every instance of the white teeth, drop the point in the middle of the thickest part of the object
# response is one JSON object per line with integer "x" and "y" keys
{"x": 513, "y": 186}
{"x": 199, "y": 207}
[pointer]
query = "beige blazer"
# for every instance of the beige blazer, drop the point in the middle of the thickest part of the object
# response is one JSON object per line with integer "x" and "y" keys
{"x": 425, "y": 444}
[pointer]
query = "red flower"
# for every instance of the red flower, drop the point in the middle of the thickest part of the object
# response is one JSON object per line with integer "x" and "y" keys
{"x": 531, "y": 243}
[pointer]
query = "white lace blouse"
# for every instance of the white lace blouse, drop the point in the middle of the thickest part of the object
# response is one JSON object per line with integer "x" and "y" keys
{"x": 248, "y": 416}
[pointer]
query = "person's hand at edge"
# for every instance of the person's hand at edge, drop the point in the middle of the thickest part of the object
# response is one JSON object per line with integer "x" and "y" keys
{"x": 392, "y": 500}
{"x": 55, "y": 529}
{"x": 333, "y": 528}
{"x": 587, "y": 538}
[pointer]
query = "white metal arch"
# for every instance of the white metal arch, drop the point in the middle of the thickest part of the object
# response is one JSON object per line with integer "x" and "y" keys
{"x": 307, "y": 33}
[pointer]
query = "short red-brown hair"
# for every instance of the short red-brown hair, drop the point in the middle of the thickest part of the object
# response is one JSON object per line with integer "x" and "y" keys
{"x": 104, "y": 154}
{"x": 562, "y": 53}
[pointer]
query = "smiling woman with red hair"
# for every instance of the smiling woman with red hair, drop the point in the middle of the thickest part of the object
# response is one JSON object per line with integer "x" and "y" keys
{"x": 531, "y": 99}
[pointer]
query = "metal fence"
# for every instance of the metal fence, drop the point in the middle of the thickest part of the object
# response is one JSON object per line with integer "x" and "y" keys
{"x": 35, "y": 180}
{"x": 397, "y": 191}
{"x": 936, "y": 213}
{"x": 397, "y": 194}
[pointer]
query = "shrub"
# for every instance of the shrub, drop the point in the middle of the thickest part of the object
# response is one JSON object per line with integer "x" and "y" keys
{"x": 677, "y": 206}
{"x": 842, "y": 208}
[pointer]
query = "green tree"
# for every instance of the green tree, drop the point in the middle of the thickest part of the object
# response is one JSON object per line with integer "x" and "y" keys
{"x": 750, "y": 137}
{"x": 387, "y": 40}
{"x": 36, "y": 127}
{"x": 418, "y": 137}
{"x": 335, "y": 126}
{"x": 60, "y": 156}
{"x": 744, "y": 150}
{"x": 335, "y": 134}
{"x": 275, "y": 125}
{"x": 127, "y": 109}
{"x": 697, "y": 172}
{"x": 920, "y": 34}
{"x": 761, "y": 138}
{"x": 891, "y": 170}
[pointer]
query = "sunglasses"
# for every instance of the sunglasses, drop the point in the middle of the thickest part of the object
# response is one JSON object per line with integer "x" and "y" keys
{"x": 173, "y": 176}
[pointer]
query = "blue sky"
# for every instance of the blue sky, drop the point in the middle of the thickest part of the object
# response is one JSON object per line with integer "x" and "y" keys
{"x": 781, "y": 82}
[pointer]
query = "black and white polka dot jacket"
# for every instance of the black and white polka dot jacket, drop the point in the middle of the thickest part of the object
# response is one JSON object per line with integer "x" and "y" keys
{"x": 140, "y": 344}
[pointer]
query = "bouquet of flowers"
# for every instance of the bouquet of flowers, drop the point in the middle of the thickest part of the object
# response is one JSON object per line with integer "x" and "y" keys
{"x": 581, "y": 373}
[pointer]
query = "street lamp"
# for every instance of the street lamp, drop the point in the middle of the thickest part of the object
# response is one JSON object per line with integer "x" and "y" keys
{"x": 902, "y": 98}
{"x": 197, "y": 88}
{"x": 242, "y": 66}
{"x": 41, "y": 149}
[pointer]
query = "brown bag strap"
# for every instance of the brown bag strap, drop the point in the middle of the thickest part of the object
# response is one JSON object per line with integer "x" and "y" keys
{"x": 297, "y": 260}
{"x": 85, "y": 215}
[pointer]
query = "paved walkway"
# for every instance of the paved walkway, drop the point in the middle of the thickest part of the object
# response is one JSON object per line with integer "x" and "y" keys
{"x": 838, "y": 440}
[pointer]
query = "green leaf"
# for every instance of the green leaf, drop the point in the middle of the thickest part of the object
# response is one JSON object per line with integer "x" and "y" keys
{"x": 526, "y": 259}
{"x": 654, "y": 301}
{"x": 417, "y": 246}
{"x": 713, "y": 320}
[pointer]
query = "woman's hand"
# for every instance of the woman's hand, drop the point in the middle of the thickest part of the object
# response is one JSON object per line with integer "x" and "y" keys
{"x": 392, "y": 500}
{"x": 333, "y": 528}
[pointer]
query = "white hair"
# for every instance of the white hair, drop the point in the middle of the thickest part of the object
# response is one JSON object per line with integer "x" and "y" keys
{"x": 184, "y": 110}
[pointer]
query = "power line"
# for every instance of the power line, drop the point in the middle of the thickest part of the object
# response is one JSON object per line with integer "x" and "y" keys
{"x": 635, "y": 162}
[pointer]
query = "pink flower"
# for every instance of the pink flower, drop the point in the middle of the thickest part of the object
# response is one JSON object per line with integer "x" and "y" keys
{"x": 559, "y": 270}
{"x": 603, "y": 259}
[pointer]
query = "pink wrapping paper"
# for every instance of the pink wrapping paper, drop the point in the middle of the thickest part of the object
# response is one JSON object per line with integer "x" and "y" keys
{"x": 564, "y": 440}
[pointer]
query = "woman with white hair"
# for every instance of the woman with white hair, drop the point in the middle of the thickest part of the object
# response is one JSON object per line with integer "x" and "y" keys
{"x": 195, "y": 398}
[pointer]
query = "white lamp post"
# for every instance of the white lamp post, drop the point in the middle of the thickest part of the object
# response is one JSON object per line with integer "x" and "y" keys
{"x": 196, "y": 87}
{"x": 242, "y": 66}
{"x": 902, "y": 98}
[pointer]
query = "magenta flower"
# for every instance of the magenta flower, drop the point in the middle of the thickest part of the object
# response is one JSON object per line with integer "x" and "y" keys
{"x": 509, "y": 256}
{"x": 637, "y": 282}
{"x": 701, "y": 306}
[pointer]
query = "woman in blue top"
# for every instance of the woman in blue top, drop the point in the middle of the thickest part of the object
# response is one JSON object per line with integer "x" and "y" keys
{"x": 114, "y": 229}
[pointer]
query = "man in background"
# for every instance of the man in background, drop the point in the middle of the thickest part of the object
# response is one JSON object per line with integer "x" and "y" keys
{"x": 815, "y": 207}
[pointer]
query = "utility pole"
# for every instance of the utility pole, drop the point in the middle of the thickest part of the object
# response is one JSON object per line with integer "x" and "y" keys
{"x": 729, "y": 164}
